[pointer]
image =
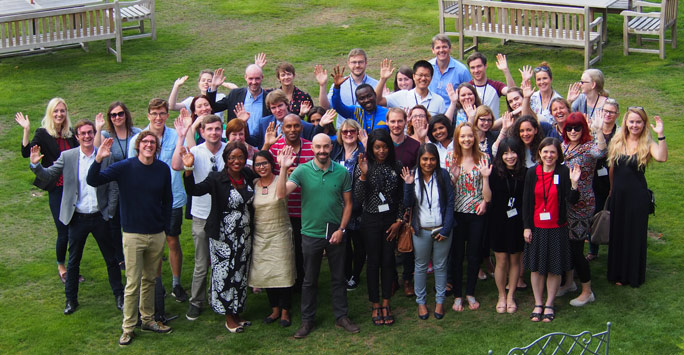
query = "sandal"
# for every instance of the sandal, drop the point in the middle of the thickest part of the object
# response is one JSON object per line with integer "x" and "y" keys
{"x": 377, "y": 320}
{"x": 238, "y": 329}
{"x": 449, "y": 290}
{"x": 536, "y": 316}
{"x": 458, "y": 305}
{"x": 549, "y": 317}
{"x": 501, "y": 307}
{"x": 591, "y": 257}
{"x": 389, "y": 318}
{"x": 511, "y": 307}
{"x": 473, "y": 304}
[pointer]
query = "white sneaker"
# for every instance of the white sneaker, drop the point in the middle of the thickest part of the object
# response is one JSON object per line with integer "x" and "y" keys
{"x": 563, "y": 290}
{"x": 577, "y": 303}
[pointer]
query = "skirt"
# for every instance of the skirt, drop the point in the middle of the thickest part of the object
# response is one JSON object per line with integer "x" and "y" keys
{"x": 549, "y": 251}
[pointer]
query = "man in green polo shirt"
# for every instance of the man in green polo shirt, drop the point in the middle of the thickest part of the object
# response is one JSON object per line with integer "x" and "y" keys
{"x": 326, "y": 209}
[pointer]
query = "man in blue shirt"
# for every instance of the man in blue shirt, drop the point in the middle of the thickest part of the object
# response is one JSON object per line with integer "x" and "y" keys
{"x": 157, "y": 114}
{"x": 447, "y": 69}
{"x": 357, "y": 62}
{"x": 367, "y": 113}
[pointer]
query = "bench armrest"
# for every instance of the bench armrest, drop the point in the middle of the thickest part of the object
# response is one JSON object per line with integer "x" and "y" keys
{"x": 597, "y": 22}
{"x": 646, "y": 4}
{"x": 628, "y": 13}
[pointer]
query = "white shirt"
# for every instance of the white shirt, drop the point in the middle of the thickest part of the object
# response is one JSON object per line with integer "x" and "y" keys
{"x": 543, "y": 112}
{"x": 407, "y": 99}
{"x": 201, "y": 205}
{"x": 443, "y": 152}
{"x": 429, "y": 213}
{"x": 87, "y": 195}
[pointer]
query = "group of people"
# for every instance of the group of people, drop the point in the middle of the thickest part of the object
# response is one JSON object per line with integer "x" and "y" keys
{"x": 276, "y": 182}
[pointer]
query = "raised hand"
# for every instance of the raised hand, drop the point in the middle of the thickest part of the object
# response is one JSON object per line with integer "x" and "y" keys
{"x": 181, "y": 127}
{"x": 180, "y": 81}
{"x": 328, "y": 117}
{"x": 658, "y": 128}
{"x": 187, "y": 157}
{"x": 453, "y": 95}
{"x": 407, "y": 175}
{"x": 386, "y": 69}
{"x": 574, "y": 90}
{"x": 218, "y": 79}
{"x": 363, "y": 138}
{"x": 454, "y": 167}
{"x": 304, "y": 108}
{"x": 501, "y": 62}
{"x": 99, "y": 121}
{"x": 507, "y": 121}
{"x": 240, "y": 112}
{"x": 485, "y": 167}
{"x": 470, "y": 111}
{"x": 338, "y": 76}
{"x": 526, "y": 87}
{"x": 260, "y": 60}
{"x": 35, "y": 154}
{"x": 596, "y": 123}
{"x": 270, "y": 137}
{"x": 321, "y": 75}
{"x": 23, "y": 121}
{"x": 105, "y": 149}
{"x": 363, "y": 164}
{"x": 286, "y": 157}
{"x": 421, "y": 129}
{"x": 526, "y": 72}
{"x": 575, "y": 174}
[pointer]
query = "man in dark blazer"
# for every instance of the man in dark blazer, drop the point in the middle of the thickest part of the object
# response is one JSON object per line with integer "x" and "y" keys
{"x": 279, "y": 105}
{"x": 254, "y": 103}
{"x": 84, "y": 210}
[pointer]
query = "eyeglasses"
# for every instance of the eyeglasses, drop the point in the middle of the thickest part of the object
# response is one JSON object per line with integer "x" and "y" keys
{"x": 584, "y": 82}
{"x": 423, "y": 76}
{"x": 485, "y": 119}
{"x": 262, "y": 164}
{"x": 158, "y": 114}
{"x": 542, "y": 68}
{"x": 610, "y": 112}
{"x": 213, "y": 161}
{"x": 576, "y": 128}
{"x": 357, "y": 62}
{"x": 348, "y": 132}
{"x": 148, "y": 142}
{"x": 87, "y": 133}
{"x": 117, "y": 114}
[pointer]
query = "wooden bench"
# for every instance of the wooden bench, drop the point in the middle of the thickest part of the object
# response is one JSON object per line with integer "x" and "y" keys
{"x": 640, "y": 22}
{"x": 40, "y": 30}
{"x": 528, "y": 23}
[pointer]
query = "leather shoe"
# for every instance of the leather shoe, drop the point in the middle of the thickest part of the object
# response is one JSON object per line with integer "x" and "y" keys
{"x": 304, "y": 330}
{"x": 345, "y": 323}
{"x": 408, "y": 289}
{"x": 119, "y": 302}
{"x": 70, "y": 307}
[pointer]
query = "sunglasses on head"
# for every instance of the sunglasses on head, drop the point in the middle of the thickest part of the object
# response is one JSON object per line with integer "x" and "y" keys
{"x": 576, "y": 128}
{"x": 637, "y": 108}
{"x": 542, "y": 68}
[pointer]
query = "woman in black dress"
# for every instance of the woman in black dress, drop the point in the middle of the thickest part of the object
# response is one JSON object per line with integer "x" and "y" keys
{"x": 229, "y": 229}
{"x": 505, "y": 220}
{"x": 630, "y": 150}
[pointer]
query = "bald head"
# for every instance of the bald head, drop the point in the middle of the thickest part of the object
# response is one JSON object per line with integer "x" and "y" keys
{"x": 253, "y": 77}
{"x": 292, "y": 128}
{"x": 321, "y": 147}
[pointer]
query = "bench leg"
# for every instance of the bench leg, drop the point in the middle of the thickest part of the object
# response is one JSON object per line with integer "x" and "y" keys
{"x": 661, "y": 43}
{"x": 674, "y": 35}
{"x": 625, "y": 38}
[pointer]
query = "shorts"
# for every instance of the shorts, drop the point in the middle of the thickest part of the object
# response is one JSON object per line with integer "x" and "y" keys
{"x": 175, "y": 222}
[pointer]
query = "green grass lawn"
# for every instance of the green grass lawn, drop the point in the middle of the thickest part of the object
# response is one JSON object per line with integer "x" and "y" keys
{"x": 193, "y": 35}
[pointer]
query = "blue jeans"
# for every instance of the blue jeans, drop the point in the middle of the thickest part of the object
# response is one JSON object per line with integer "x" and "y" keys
{"x": 81, "y": 225}
{"x": 425, "y": 249}
{"x": 55, "y": 201}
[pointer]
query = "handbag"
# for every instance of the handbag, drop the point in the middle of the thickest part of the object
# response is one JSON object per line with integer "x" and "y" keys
{"x": 600, "y": 226}
{"x": 405, "y": 242}
{"x": 651, "y": 202}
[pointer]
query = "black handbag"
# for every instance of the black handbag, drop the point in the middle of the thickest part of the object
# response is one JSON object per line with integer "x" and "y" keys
{"x": 651, "y": 202}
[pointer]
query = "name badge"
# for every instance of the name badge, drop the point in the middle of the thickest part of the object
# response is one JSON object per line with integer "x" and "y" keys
{"x": 545, "y": 216}
{"x": 602, "y": 172}
{"x": 381, "y": 196}
{"x": 385, "y": 208}
{"x": 512, "y": 213}
{"x": 511, "y": 202}
{"x": 556, "y": 179}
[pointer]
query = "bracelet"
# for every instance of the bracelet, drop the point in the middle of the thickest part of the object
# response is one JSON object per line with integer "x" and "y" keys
{"x": 189, "y": 168}
{"x": 661, "y": 138}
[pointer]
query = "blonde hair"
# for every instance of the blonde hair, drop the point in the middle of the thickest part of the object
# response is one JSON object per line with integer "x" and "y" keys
{"x": 597, "y": 77}
{"x": 618, "y": 145}
{"x": 475, "y": 150}
{"x": 49, "y": 124}
{"x": 483, "y": 110}
{"x": 351, "y": 124}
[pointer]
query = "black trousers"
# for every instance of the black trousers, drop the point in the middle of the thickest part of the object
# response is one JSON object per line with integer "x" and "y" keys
{"x": 355, "y": 256}
{"x": 467, "y": 242}
{"x": 381, "y": 268}
{"x": 312, "y": 250}
{"x": 280, "y": 297}
{"x": 580, "y": 264}
{"x": 299, "y": 259}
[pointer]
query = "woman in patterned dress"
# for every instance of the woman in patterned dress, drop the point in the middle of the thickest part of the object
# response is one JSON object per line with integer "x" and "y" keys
{"x": 469, "y": 170}
{"x": 229, "y": 229}
{"x": 579, "y": 149}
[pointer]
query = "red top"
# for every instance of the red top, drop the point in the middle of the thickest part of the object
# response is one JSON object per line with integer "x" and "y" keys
{"x": 294, "y": 200}
{"x": 63, "y": 145}
{"x": 545, "y": 187}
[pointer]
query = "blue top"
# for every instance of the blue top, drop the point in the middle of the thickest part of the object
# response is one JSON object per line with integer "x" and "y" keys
{"x": 455, "y": 74}
{"x": 144, "y": 193}
{"x": 255, "y": 109}
{"x": 348, "y": 93}
{"x": 120, "y": 146}
{"x": 368, "y": 120}
{"x": 168, "y": 145}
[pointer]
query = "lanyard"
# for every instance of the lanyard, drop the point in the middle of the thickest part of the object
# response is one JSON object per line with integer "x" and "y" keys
{"x": 417, "y": 103}
{"x": 508, "y": 186}
{"x": 118, "y": 141}
{"x": 586, "y": 107}
{"x": 160, "y": 143}
{"x": 351, "y": 89}
{"x": 484, "y": 92}
{"x": 429, "y": 195}
{"x": 546, "y": 192}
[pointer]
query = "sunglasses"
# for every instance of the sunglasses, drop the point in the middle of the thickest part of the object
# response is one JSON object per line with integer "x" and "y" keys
{"x": 346, "y": 132}
{"x": 636, "y": 108}
{"x": 117, "y": 114}
{"x": 213, "y": 161}
{"x": 576, "y": 128}
{"x": 542, "y": 68}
